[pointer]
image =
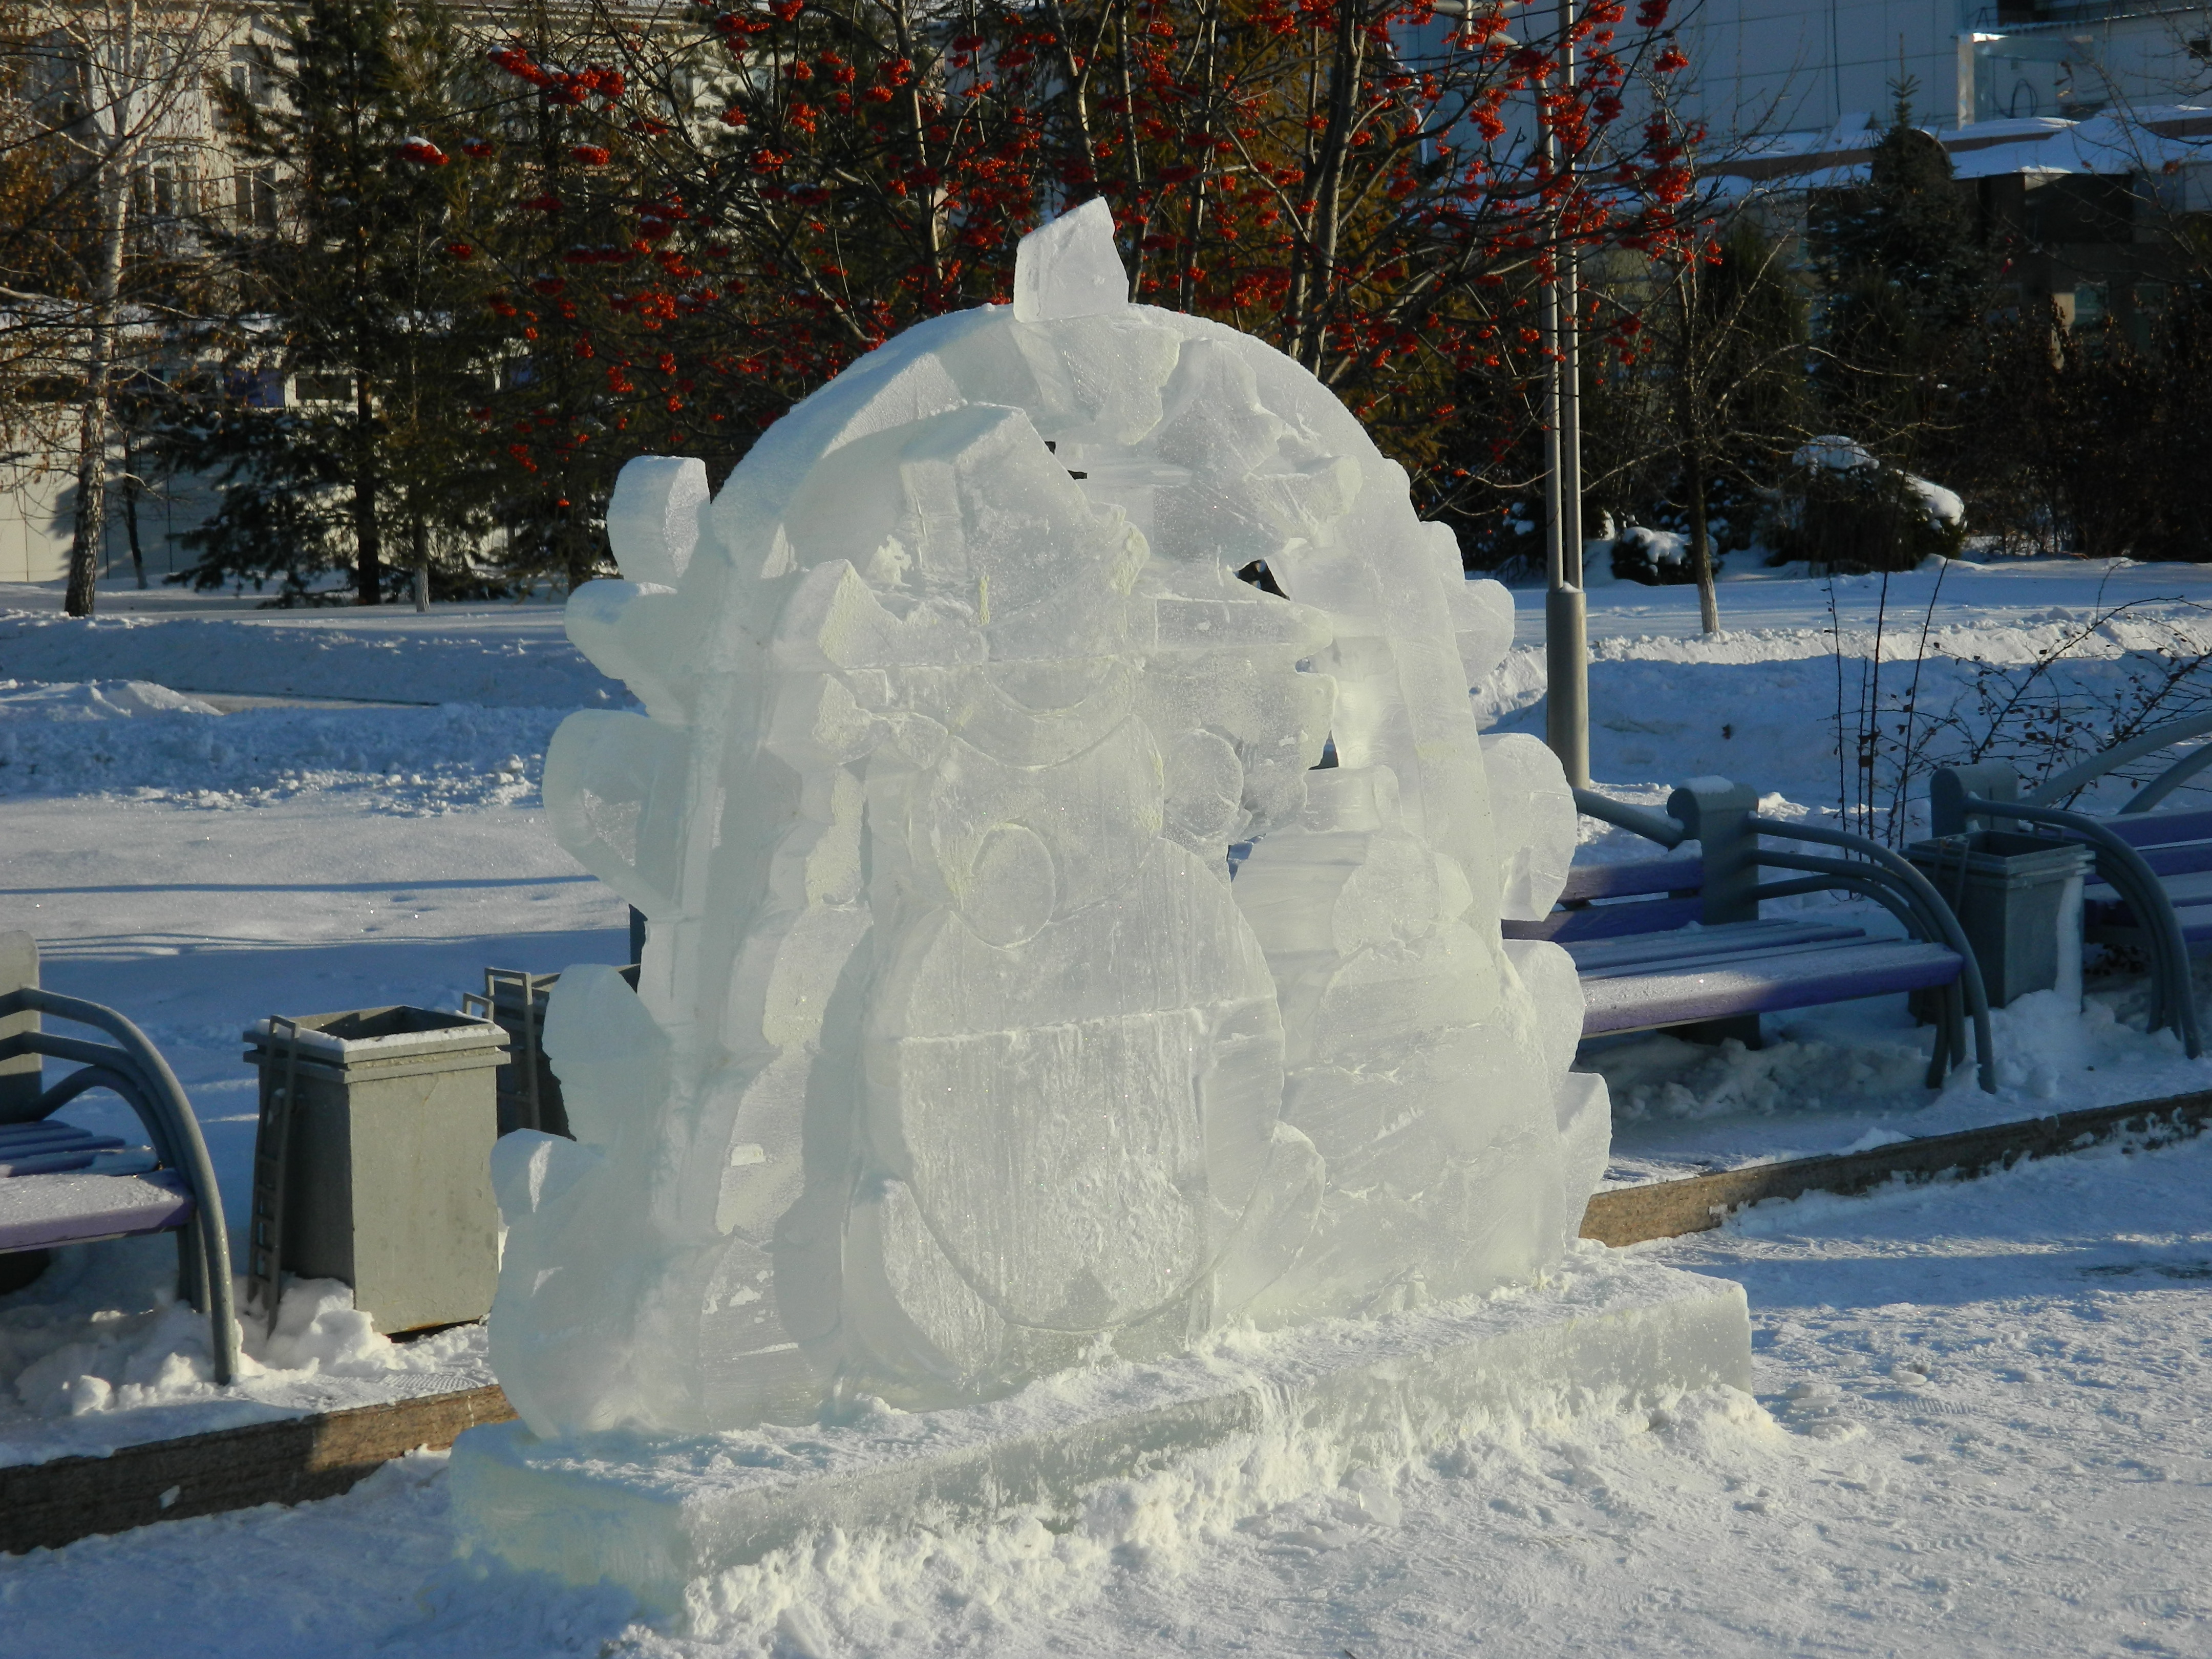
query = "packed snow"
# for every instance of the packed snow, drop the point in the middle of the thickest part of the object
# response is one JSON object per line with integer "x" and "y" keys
{"x": 1977, "y": 1430}
{"x": 494, "y": 656}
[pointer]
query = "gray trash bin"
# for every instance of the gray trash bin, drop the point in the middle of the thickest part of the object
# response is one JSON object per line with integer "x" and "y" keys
{"x": 371, "y": 1164}
{"x": 529, "y": 1093}
{"x": 2018, "y": 897}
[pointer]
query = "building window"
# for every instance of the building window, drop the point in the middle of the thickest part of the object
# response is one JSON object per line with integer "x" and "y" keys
{"x": 255, "y": 198}
{"x": 249, "y": 76}
{"x": 322, "y": 389}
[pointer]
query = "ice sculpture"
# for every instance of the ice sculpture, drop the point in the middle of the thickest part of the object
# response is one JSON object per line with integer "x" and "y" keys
{"x": 958, "y": 1055}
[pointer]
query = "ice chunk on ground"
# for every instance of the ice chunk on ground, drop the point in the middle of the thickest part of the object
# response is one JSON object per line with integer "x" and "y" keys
{"x": 1239, "y": 1426}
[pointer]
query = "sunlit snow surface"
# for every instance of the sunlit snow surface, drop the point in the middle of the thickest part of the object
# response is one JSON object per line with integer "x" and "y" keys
{"x": 1978, "y": 1432}
{"x": 2042, "y": 1492}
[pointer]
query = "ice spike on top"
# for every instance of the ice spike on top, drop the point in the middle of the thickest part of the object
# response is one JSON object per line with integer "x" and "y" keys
{"x": 959, "y": 1056}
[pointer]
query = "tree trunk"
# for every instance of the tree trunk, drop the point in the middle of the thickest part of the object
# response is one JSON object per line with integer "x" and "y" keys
{"x": 1336, "y": 138}
{"x": 1690, "y": 417}
{"x": 1701, "y": 557}
{"x": 131, "y": 509}
{"x": 89, "y": 534}
{"x": 420, "y": 532}
{"x": 367, "y": 539}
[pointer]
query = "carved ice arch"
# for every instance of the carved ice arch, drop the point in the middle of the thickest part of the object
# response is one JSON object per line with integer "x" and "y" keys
{"x": 957, "y": 1054}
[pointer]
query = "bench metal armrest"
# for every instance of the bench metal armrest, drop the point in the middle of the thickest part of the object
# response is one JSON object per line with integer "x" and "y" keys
{"x": 161, "y": 1106}
{"x": 1873, "y": 863}
{"x": 1638, "y": 820}
{"x": 2162, "y": 737}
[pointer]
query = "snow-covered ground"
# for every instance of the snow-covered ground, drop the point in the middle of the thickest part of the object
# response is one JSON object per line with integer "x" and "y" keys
{"x": 2035, "y": 1487}
{"x": 1978, "y": 1431}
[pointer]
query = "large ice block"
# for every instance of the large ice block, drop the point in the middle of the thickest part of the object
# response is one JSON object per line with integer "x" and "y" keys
{"x": 959, "y": 1056}
{"x": 1256, "y": 1421}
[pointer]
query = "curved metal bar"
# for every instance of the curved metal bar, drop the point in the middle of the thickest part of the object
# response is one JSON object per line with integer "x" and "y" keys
{"x": 1867, "y": 881}
{"x": 2163, "y": 737}
{"x": 100, "y": 1062}
{"x": 1639, "y": 820}
{"x": 86, "y": 1078}
{"x": 1951, "y": 1027}
{"x": 190, "y": 1150}
{"x": 2124, "y": 868}
{"x": 191, "y": 1256}
{"x": 2168, "y": 781}
{"x": 2130, "y": 874}
{"x": 1884, "y": 864}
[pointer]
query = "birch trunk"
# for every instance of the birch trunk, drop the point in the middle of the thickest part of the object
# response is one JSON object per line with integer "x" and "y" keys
{"x": 89, "y": 534}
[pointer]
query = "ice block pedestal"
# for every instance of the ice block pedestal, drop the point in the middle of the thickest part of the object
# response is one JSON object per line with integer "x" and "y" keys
{"x": 1284, "y": 1412}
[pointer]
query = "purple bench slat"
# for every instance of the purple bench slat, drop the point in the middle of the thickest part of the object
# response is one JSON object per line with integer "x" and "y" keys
{"x": 2185, "y": 859}
{"x": 43, "y": 1148}
{"x": 1610, "y": 920}
{"x": 2162, "y": 829}
{"x": 50, "y": 1163}
{"x": 1590, "y": 955}
{"x": 1690, "y": 960}
{"x": 46, "y": 1132}
{"x": 1596, "y": 881}
{"x": 38, "y": 1213}
{"x": 1799, "y": 979}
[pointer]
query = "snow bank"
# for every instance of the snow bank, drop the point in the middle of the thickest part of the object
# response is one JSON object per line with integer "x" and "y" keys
{"x": 1761, "y": 706}
{"x": 520, "y": 659}
{"x": 99, "y": 1352}
{"x": 154, "y": 744}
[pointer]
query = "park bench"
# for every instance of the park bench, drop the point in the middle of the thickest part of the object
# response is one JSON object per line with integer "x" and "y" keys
{"x": 1678, "y": 941}
{"x": 60, "y": 1184}
{"x": 2153, "y": 890}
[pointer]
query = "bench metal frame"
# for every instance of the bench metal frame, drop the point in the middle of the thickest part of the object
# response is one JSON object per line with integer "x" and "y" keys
{"x": 133, "y": 1069}
{"x": 1722, "y": 817}
{"x": 1962, "y": 798}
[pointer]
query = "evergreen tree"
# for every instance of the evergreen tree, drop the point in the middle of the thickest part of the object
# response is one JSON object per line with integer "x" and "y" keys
{"x": 359, "y": 293}
{"x": 1905, "y": 277}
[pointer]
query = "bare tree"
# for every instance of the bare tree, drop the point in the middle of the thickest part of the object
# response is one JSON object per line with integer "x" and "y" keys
{"x": 124, "y": 95}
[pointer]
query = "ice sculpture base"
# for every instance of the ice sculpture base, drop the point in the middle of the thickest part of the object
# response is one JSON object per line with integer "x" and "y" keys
{"x": 654, "y": 1514}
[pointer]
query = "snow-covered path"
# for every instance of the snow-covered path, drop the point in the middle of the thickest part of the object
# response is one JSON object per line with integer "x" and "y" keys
{"x": 1980, "y": 1430}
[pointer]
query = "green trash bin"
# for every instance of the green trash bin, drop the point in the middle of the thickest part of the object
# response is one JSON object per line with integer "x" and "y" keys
{"x": 2018, "y": 898}
{"x": 372, "y": 1162}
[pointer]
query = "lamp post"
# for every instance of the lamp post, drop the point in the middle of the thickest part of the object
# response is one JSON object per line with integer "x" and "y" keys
{"x": 1566, "y": 641}
{"x": 1567, "y": 645}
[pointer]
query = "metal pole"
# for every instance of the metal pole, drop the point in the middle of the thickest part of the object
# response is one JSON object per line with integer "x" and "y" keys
{"x": 1566, "y": 649}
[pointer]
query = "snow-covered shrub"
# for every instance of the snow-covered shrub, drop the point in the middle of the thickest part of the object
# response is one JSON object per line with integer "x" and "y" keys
{"x": 1843, "y": 510}
{"x": 1657, "y": 558}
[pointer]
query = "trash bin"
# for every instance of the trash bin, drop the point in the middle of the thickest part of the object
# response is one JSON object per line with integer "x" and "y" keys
{"x": 515, "y": 1001}
{"x": 2018, "y": 898}
{"x": 371, "y": 1164}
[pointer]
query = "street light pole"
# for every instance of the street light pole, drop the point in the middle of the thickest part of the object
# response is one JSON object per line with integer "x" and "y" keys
{"x": 1566, "y": 648}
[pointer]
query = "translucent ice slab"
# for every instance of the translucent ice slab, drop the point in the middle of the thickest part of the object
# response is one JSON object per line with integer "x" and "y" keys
{"x": 959, "y": 1058}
